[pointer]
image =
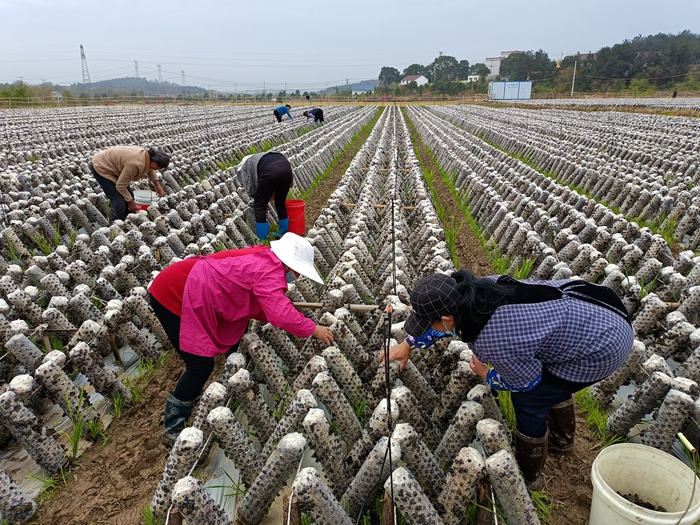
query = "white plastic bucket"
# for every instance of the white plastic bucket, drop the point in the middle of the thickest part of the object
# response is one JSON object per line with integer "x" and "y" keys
{"x": 655, "y": 476}
{"x": 144, "y": 198}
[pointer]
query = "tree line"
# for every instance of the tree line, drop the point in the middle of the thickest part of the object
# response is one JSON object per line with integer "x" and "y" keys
{"x": 642, "y": 64}
{"x": 446, "y": 75}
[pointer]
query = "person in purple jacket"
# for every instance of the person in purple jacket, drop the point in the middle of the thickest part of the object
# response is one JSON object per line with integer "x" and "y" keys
{"x": 541, "y": 340}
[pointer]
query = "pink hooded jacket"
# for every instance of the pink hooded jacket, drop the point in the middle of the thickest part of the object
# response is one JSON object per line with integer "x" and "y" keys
{"x": 222, "y": 295}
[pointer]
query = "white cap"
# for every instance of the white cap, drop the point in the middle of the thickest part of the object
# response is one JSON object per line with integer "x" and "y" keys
{"x": 297, "y": 253}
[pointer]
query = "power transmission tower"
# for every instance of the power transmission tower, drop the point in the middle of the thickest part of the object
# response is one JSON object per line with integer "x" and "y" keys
{"x": 86, "y": 74}
{"x": 136, "y": 68}
{"x": 83, "y": 60}
{"x": 160, "y": 77}
{"x": 183, "y": 79}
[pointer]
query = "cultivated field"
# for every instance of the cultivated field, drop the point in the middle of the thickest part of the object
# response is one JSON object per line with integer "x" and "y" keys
{"x": 393, "y": 194}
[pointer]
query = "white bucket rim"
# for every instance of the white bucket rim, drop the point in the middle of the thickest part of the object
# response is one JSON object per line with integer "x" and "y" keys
{"x": 145, "y": 197}
{"x": 611, "y": 494}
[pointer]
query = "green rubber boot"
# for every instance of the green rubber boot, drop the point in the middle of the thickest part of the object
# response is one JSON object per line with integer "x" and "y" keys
{"x": 176, "y": 414}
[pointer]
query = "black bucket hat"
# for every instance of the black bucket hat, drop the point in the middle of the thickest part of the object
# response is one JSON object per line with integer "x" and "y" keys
{"x": 433, "y": 297}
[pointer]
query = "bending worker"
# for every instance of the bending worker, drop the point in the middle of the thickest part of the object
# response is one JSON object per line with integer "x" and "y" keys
{"x": 283, "y": 110}
{"x": 117, "y": 167}
{"x": 267, "y": 176}
{"x": 205, "y": 304}
{"x": 543, "y": 340}
{"x": 316, "y": 114}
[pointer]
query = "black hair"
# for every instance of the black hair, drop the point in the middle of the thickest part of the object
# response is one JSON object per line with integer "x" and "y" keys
{"x": 306, "y": 113}
{"x": 161, "y": 158}
{"x": 478, "y": 300}
{"x": 290, "y": 107}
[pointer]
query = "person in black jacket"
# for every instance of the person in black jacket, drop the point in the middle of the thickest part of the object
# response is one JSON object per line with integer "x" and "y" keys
{"x": 316, "y": 114}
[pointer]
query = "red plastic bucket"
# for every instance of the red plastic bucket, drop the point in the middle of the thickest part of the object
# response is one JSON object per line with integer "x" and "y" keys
{"x": 296, "y": 211}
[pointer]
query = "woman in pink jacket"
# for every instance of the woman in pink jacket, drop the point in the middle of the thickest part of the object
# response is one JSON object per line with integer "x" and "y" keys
{"x": 205, "y": 304}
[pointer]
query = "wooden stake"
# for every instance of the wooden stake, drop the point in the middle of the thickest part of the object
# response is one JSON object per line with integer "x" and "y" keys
{"x": 47, "y": 343}
{"x": 387, "y": 169}
{"x": 115, "y": 349}
{"x": 175, "y": 518}
{"x": 387, "y": 510}
{"x": 351, "y": 307}
{"x": 295, "y": 518}
{"x": 484, "y": 516}
{"x": 352, "y": 205}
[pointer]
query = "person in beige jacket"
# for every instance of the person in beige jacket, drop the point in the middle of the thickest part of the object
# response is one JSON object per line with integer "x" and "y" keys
{"x": 117, "y": 167}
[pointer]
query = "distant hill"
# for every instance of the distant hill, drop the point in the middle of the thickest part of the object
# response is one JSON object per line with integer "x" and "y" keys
{"x": 362, "y": 85}
{"x": 134, "y": 84}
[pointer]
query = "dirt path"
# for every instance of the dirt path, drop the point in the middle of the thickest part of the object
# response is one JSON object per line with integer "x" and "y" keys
{"x": 467, "y": 246}
{"x": 112, "y": 484}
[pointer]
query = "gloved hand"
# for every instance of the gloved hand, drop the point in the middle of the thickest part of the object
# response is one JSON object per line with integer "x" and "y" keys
{"x": 284, "y": 228}
{"x": 263, "y": 230}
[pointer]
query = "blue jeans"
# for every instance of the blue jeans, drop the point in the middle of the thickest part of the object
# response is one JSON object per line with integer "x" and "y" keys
{"x": 532, "y": 407}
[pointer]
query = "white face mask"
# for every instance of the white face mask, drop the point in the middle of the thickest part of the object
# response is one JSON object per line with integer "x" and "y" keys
{"x": 449, "y": 333}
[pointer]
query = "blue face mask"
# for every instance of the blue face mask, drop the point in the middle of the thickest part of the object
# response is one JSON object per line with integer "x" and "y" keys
{"x": 428, "y": 338}
{"x": 290, "y": 276}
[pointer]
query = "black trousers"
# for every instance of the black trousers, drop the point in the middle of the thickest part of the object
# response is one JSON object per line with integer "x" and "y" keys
{"x": 318, "y": 116}
{"x": 118, "y": 208}
{"x": 277, "y": 115}
{"x": 276, "y": 178}
{"x": 197, "y": 368}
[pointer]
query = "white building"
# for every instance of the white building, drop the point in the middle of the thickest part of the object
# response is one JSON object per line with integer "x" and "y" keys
{"x": 472, "y": 78}
{"x": 494, "y": 63}
{"x": 418, "y": 79}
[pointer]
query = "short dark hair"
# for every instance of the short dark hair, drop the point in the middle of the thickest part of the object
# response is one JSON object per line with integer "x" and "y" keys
{"x": 290, "y": 107}
{"x": 161, "y": 158}
{"x": 306, "y": 113}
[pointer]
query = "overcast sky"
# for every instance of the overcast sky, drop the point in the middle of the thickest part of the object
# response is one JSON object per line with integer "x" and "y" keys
{"x": 305, "y": 44}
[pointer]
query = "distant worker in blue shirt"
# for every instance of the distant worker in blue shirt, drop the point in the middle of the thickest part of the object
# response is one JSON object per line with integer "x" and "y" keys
{"x": 283, "y": 110}
{"x": 316, "y": 114}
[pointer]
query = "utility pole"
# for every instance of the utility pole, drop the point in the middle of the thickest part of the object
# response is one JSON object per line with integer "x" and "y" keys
{"x": 573, "y": 80}
{"x": 160, "y": 76}
{"x": 136, "y": 68}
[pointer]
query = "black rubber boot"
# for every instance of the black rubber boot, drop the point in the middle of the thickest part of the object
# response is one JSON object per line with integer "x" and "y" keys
{"x": 531, "y": 455}
{"x": 561, "y": 422}
{"x": 176, "y": 413}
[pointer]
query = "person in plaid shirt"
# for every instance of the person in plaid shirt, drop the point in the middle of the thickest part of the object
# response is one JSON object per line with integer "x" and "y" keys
{"x": 541, "y": 340}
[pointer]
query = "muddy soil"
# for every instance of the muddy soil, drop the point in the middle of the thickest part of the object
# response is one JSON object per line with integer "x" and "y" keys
{"x": 111, "y": 484}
